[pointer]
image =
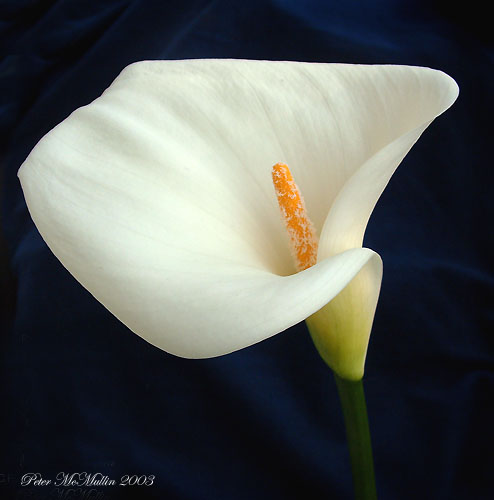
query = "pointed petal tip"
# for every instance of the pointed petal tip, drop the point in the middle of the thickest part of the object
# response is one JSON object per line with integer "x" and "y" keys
{"x": 451, "y": 87}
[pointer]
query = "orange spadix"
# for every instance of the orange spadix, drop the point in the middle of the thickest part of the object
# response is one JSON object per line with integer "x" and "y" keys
{"x": 303, "y": 237}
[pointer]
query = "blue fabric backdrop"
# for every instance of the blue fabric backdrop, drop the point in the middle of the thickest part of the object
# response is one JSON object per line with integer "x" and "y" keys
{"x": 80, "y": 392}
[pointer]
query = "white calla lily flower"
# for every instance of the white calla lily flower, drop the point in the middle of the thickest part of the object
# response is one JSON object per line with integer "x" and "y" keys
{"x": 157, "y": 197}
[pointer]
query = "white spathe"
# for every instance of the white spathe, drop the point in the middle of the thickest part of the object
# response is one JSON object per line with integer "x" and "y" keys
{"x": 157, "y": 196}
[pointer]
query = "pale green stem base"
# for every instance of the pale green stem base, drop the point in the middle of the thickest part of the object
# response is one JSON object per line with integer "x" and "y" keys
{"x": 358, "y": 437}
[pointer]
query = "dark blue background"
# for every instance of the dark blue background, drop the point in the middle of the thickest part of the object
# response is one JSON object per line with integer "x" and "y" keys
{"x": 82, "y": 393}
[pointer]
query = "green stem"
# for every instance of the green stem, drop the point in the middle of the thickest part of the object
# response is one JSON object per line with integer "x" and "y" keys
{"x": 358, "y": 437}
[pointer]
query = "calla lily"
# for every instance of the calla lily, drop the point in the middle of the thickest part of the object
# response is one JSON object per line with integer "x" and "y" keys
{"x": 157, "y": 197}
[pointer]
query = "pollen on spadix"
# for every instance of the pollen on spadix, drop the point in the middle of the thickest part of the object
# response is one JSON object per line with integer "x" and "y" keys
{"x": 303, "y": 237}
